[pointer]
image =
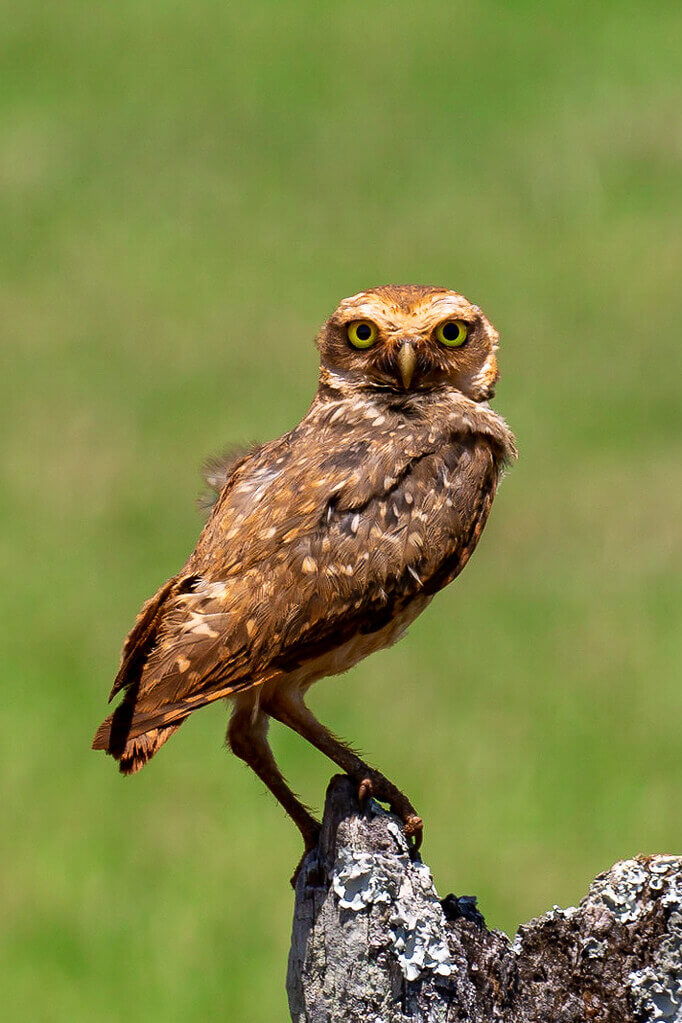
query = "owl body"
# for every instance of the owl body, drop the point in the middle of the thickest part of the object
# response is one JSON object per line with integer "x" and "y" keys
{"x": 324, "y": 544}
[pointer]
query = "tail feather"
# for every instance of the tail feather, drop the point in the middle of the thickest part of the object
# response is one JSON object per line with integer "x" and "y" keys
{"x": 133, "y": 738}
{"x": 114, "y": 737}
{"x": 131, "y": 754}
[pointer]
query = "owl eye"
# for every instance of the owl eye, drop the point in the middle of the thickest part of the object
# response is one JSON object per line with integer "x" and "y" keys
{"x": 362, "y": 333}
{"x": 452, "y": 333}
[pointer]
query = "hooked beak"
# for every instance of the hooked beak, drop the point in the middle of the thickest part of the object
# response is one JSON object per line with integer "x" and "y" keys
{"x": 407, "y": 361}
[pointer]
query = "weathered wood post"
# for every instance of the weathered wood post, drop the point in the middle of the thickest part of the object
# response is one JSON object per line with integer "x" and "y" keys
{"x": 373, "y": 943}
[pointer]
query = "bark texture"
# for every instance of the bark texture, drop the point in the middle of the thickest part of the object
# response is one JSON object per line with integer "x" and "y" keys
{"x": 373, "y": 943}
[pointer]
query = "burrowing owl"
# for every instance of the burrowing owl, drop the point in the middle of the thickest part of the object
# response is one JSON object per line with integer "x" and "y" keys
{"x": 325, "y": 544}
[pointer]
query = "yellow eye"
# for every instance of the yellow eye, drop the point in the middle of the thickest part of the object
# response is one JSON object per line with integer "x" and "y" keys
{"x": 362, "y": 333}
{"x": 452, "y": 333}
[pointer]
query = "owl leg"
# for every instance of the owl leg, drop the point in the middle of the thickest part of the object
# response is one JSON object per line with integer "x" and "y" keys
{"x": 288, "y": 707}
{"x": 247, "y": 737}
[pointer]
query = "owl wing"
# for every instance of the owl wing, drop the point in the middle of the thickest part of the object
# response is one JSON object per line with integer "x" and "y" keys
{"x": 275, "y": 585}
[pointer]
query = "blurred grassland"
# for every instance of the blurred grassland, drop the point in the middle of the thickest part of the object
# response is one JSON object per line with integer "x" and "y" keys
{"x": 186, "y": 190}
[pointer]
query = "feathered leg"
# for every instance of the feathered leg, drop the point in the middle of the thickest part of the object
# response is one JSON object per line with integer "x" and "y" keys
{"x": 247, "y": 737}
{"x": 288, "y": 707}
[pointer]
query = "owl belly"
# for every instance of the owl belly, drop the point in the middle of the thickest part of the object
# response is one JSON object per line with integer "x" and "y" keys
{"x": 345, "y": 656}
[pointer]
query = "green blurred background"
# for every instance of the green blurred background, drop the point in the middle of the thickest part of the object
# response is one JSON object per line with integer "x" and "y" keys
{"x": 186, "y": 190}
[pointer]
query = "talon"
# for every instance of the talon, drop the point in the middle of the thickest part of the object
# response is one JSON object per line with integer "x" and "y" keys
{"x": 414, "y": 828}
{"x": 365, "y": 791}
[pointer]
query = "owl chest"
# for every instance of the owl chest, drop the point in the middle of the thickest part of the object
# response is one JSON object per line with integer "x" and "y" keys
{"x": 350, "y": 653}
{"x": 432, "y": 507}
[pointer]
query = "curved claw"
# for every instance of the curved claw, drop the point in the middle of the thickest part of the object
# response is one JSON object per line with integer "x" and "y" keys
{"x": 365, "y": 791}
{"x": 412, "y": 823}
{"x": 414, "y": 828}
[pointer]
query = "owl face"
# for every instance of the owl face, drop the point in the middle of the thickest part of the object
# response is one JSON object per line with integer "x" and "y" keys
{"x": 410, "y": 338}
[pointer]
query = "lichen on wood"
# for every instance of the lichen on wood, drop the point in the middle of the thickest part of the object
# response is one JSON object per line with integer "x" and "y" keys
{"x": 373, "y": 943}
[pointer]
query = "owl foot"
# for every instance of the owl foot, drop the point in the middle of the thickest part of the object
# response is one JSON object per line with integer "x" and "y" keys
{"x": 414, "y": 828}
{"x": 365, "y": 792}
{"x": 380, "y": 788}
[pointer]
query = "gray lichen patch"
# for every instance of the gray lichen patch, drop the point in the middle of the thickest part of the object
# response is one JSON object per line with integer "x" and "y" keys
{"x": 359, "y": 881}
{"x": 655, "y": 998}
{"x": 416, "y": 923}
{"x": 590, "y": 948}
{"x": 657, "y": 989}
{"x": 418, "y": 937}
{"x": 620, "y": 890}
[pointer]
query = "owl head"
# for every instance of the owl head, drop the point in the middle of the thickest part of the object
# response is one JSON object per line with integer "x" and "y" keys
{"x": 407, "y": 339}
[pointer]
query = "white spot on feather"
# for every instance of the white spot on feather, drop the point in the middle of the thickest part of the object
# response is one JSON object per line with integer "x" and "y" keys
{"x": 217, "y": 590}
{"x": 198, "y": 625}
{"x": 414, "y": 574}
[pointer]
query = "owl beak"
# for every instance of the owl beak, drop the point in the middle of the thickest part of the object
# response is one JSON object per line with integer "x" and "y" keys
{"x": 407, "y": 361}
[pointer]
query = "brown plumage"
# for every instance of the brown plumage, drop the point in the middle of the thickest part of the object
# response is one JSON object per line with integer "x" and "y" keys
{"x": 323, "y": 545}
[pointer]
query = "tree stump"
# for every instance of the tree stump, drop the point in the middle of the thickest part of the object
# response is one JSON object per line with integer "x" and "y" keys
{"x": 373, "y": 943}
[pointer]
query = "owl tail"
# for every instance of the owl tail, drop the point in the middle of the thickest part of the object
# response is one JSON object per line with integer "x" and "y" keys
{"x": 131, "y": 754}
{"x": 123, "y": 734}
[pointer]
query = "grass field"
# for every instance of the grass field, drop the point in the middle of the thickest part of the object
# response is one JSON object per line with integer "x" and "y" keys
{"x": 186, "y": 190}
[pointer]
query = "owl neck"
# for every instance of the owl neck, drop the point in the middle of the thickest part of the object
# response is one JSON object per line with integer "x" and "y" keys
{"x": 442, "y": 405}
